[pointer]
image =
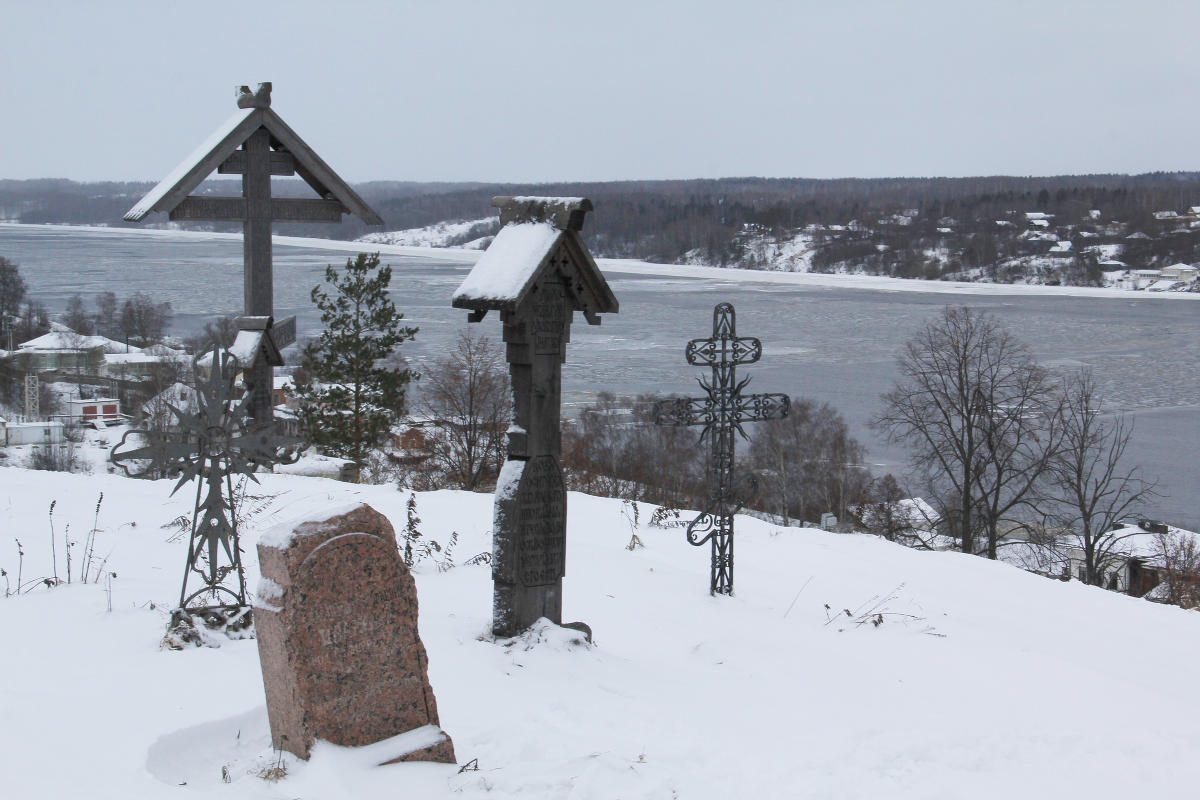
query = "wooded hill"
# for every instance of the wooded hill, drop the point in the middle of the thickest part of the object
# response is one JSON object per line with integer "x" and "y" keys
{"x": 909, "y": 227}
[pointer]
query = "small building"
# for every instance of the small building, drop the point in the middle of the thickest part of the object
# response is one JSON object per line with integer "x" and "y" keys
{"x": 104, "y": 409}
{"x": 38, "y": 432}
{"x": 179, "y": 395}
{"x": 1180, "y": 272}
{"x": 61, "y": 350}
{"x": 283, "y": 392}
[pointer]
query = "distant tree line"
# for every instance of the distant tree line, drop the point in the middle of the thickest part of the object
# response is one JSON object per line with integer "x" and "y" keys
{"x": 708, "y": 220}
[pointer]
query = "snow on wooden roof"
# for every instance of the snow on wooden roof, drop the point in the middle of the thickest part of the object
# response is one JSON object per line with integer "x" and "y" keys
{"x": 198, "y": 164}
{"x": 540, "y": 237}
{"x": 228, "y": 137}
{"x": 508, "y": 265}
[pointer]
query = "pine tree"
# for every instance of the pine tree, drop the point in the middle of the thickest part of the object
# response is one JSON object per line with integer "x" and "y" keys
{"x": 350, "y": 397}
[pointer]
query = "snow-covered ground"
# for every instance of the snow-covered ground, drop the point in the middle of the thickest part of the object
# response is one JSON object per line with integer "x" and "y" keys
{"x": 980, "y": 681}
{"x": 439, "y": 234}
{"x": 634, "y": 267}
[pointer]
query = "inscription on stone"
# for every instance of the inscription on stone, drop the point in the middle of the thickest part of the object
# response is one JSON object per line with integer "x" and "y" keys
{"x": 542, "y": 508}
{"x": 337, "y": 635}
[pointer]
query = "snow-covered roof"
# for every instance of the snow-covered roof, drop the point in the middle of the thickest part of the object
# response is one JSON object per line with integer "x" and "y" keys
{"x": 200, "y": 163}
{"x": 67, "y": 339}
{"x": 132, "y": 358}
{"x": 509, "y": 263}
{"x": 220, "y": 145}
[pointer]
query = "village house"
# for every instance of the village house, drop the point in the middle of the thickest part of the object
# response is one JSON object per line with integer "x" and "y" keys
{"x": 1180, "y": 272}
{"x": 102, "y": 409}
{"x": 17, "y": 432}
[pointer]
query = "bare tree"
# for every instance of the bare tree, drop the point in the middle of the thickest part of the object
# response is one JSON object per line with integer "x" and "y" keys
{"x": 12, "y": 290}
{"x": 1095, "y": 490}
{"x": 33, "y": 322}
{"x": 808, "y": 463}
{"x": 466, "y": 395}
{"x": 107, "y": 321}
{"x": 614, "y": 449}
{"x": 144, "y": 320}
{"x": 1180, "y": 557}
{"x": 220, "y": 332}
{"x": 76, "y": 317}
{"x": 972, "y": 407}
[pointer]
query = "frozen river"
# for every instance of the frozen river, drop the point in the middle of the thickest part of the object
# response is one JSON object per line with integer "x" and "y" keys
{"x": 834, "y": 344}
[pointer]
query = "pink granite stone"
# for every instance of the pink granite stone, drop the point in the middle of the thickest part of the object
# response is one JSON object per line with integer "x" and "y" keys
{"x": 336, "y": 623}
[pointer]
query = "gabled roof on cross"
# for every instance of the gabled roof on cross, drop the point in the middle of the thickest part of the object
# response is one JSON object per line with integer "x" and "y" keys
{"x": 254, "y": 112}
{"x": 540, "y": 238}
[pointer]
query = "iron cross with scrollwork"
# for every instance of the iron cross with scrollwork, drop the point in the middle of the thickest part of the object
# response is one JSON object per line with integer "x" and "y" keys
{"x": 213, "y": 444}
{"x": 722, "y": 413}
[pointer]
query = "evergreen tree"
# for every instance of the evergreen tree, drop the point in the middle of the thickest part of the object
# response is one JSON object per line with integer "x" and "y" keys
{"x": 350, "y": 397}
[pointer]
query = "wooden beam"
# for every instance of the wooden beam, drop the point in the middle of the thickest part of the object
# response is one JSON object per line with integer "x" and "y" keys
{"x": 282, "y": 163}
{"x": 283, "y": 209}
{"x": 210, "y": 208}
{"x": 316, "y": 172}
{"x": 283, "y": 333}
{"x": 172, "y": 190}
{"x": 287, "y": 209}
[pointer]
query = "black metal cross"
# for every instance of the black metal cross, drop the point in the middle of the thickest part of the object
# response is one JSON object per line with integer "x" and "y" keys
{"x": 721, "y": 412}
{"x": 213, "y": 444}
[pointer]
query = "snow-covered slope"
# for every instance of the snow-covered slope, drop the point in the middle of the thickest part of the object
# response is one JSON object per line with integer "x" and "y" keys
{"x": 980, "y": 681}
{"x": 473, "y": 234}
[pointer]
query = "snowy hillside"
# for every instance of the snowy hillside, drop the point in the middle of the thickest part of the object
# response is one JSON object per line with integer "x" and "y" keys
{"x": 845, "y": 667}
{"x": 472, "y": 234}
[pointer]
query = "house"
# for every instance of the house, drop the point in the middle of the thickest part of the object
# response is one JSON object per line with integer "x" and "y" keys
{"x": 38, "y": 432}
{"x": 1062, "y": 249}
{"x": 179, "y": 395}
{"x": 283, "y": 392}
{"x": 104, "y": 409}
{"x": 1140, "y": 561}
{"x": 1180, "y": 272}
{"x": 61, "y": 350}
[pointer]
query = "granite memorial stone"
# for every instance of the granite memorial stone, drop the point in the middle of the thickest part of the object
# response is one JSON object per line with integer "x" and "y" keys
{"x": 337, "y": 635}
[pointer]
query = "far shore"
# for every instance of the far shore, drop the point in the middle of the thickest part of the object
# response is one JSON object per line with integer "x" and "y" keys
{"x": 634, "y": 267}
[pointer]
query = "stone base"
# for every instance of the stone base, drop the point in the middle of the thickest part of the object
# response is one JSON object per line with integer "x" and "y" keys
{"x": 442, "y": 753}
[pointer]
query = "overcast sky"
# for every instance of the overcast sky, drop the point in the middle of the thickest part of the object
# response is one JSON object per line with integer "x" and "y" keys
{"x": 608, "y": 90}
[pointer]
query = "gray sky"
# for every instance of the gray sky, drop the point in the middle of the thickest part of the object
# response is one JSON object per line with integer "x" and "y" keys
{"x": 531, "y": 91}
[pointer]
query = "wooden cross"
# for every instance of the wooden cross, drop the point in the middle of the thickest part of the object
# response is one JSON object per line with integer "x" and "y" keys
{"x": 256, "y": 144}
{"x": 722, "y": 412}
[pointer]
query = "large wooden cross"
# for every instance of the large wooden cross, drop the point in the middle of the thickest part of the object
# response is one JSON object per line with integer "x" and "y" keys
{"x": 722, "y": 411}
{"x": 256, "y": 144}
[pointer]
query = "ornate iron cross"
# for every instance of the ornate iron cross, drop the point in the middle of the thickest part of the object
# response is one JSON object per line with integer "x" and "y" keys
{"x": 213, "y": 444}
{"x": 722, "y": 412}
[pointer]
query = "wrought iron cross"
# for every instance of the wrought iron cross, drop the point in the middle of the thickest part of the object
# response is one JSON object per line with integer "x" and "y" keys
{"x": 215, "y": 443}
{"x": 722, "y": 412}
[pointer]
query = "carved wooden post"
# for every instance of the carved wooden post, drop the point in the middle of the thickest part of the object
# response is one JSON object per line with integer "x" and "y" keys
{"x": 536, "y": 273}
